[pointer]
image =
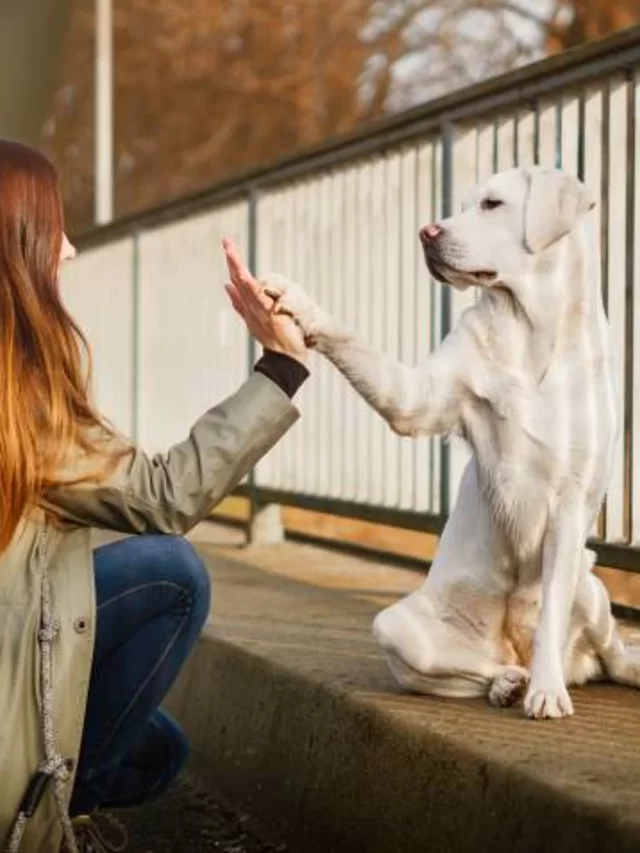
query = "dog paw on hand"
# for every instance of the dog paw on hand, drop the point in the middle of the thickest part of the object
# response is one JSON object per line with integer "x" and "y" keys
{"x": 291, "y": 298}
{"x": 550, "y": 703}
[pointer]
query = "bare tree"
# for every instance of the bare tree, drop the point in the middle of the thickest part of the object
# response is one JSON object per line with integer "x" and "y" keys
{"x": 439, "y": 46}
{"x": 208, "y": 88}
{"x": 205, "y": 89}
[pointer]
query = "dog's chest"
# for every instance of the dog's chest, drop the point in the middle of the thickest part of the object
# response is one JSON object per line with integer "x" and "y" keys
{"x": 532, "y": 438}
{"x": 510, "y": 415}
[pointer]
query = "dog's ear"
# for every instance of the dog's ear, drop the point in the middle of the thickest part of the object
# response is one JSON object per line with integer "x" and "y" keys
{"x": 555, "y": 203}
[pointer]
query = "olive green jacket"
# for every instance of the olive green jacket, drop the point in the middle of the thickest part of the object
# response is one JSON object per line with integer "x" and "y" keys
{"x": 167, "y": 493}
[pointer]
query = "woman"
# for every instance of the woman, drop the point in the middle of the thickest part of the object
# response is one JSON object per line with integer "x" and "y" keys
{"x": 90, "y": 642}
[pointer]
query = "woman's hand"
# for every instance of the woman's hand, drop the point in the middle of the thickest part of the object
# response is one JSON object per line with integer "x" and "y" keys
{"x": 277, "y": 332}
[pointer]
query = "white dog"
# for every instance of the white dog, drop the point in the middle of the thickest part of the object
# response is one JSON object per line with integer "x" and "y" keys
{"x": 510, "y": 605}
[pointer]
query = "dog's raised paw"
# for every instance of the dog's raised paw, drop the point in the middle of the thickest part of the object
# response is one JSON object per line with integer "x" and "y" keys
{"x": 548, "y": 704}
{"x": 292, "y": 299}
{"x": 508, "y": 687}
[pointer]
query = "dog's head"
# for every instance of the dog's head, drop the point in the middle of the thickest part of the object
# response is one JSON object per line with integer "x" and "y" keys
{"x": 509, "y": 228}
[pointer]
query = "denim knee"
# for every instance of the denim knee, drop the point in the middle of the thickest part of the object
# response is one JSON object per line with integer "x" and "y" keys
{"x": 190, "y": 572}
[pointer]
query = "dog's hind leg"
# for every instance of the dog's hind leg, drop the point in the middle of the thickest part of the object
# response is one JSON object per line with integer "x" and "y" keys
{"x": 429, "y": 655}
{"x": 509, "y": 686}
{"x": 620, "y": 662}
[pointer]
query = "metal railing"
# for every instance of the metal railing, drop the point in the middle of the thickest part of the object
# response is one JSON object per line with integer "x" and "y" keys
{"x": 343, "y": 219}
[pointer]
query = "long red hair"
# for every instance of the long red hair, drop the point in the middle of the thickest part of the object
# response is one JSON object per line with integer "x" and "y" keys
{"x": 45, "y": 361}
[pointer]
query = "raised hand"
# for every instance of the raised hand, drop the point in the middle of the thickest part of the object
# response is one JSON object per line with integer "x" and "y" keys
{"x": 275, "y": 331}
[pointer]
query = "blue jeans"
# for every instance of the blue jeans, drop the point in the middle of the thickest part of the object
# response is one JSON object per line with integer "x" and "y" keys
{"x": 153, "y": 597}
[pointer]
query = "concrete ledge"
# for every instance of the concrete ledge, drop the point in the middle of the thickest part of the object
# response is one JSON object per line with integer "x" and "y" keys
{"x": 293, "y": 717}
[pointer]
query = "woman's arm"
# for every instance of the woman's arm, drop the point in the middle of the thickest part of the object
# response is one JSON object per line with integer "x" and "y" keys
{"x": 172, "y": 492}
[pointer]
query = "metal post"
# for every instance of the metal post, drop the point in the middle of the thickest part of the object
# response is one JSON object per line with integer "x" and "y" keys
{"x": 103, "y": 112}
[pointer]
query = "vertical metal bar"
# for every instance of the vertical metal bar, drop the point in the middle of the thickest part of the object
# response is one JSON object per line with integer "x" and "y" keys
{"x": 103, "y": 112}
{"x": 536, "y": 134}
{"x": 630, "y": 155}
{"x": 581, "y": 133}
{"x": 558, "y": 144}
{"x": 135, "y": 338}
{"x": 448, "y": 133}
{"x": 604, "y": 188}
{"x": 494, "y": 165}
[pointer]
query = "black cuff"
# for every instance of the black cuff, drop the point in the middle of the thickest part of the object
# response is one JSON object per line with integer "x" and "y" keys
{"x": 287, "y": 373}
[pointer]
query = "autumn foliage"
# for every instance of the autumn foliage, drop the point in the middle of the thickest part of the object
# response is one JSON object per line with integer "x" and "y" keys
{"x": 205, "y": 89}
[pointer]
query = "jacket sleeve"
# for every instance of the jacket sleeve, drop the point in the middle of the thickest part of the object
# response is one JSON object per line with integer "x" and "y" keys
{"x": 171, "y": 492}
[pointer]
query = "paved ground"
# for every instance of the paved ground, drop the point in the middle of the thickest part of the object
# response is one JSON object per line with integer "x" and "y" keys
{"x": 293, "y": 714}
{"x": 188, "y": 820}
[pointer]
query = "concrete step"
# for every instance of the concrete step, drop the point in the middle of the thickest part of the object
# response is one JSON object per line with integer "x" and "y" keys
{"x": 294, "y": 717}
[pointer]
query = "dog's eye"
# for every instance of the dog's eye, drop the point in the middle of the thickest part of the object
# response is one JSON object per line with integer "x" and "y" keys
{"x": 490, "y": 203}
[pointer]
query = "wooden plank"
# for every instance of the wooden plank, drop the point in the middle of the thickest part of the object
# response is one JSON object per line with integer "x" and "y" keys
{"x": 623, "y": 587}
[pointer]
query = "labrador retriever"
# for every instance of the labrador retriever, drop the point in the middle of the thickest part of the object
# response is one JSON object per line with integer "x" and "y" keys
{"x": 510, "y": 606}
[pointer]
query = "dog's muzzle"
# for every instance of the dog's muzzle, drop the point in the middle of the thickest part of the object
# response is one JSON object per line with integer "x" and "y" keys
{"x": 431, "y": 237}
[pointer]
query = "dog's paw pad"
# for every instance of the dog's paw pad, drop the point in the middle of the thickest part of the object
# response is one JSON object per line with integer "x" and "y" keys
{"x": 540, "y": 704}
{"x": 509, "y": 687}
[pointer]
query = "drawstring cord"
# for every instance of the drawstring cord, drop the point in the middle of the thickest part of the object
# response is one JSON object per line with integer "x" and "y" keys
{"x": 54, "y": 766}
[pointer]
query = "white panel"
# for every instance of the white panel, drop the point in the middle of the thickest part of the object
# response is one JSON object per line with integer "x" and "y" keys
{"x": 318, "y": 364}
{"x": 526, "y": 138}
{"x": 354, "y": 466}
{"x": 464, "y": 178}
{"x": 635, "y": 474}
{"x": 326, "y": 294}
{"x": 269, "y": 470}
{"x": 429, "y": 321}
{"x": 617, "y": 272}
{"x": 279, "y": 253}
{"x": 304, "y": 271}
{"x": 295, "y": 459}
{"x": 285, "y": 451}
{"x": 410, "y": 257}
{"x": 484, "y": 152}
{"x": 437, "y": 290}
{"x": 593, "y": 178}
{"x": 287, "y": 455}
{"x": 506, "y": 143}
{"x": 192, "y": 346}
{"x": 392, "y": 292}
{"x": 377, "y": 330}
{"x": 570, "y": 134}
{"x": 265, "y": 262}
{"x": 340, "y": 286}
{"x": 360, "y": 316}
{"x": 97, "y": 288}
{"x": 547, "y": 130}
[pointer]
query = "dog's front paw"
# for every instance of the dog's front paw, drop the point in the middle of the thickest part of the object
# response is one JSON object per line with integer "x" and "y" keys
{"x": 548, "y": 703}
{"x": 292, "y": 299}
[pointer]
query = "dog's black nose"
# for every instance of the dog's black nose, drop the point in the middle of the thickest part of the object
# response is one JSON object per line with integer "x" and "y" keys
{"x": 430, "y": 233}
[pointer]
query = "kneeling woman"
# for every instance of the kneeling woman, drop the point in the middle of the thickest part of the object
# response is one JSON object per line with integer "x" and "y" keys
{"x": 90, "y": 642}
